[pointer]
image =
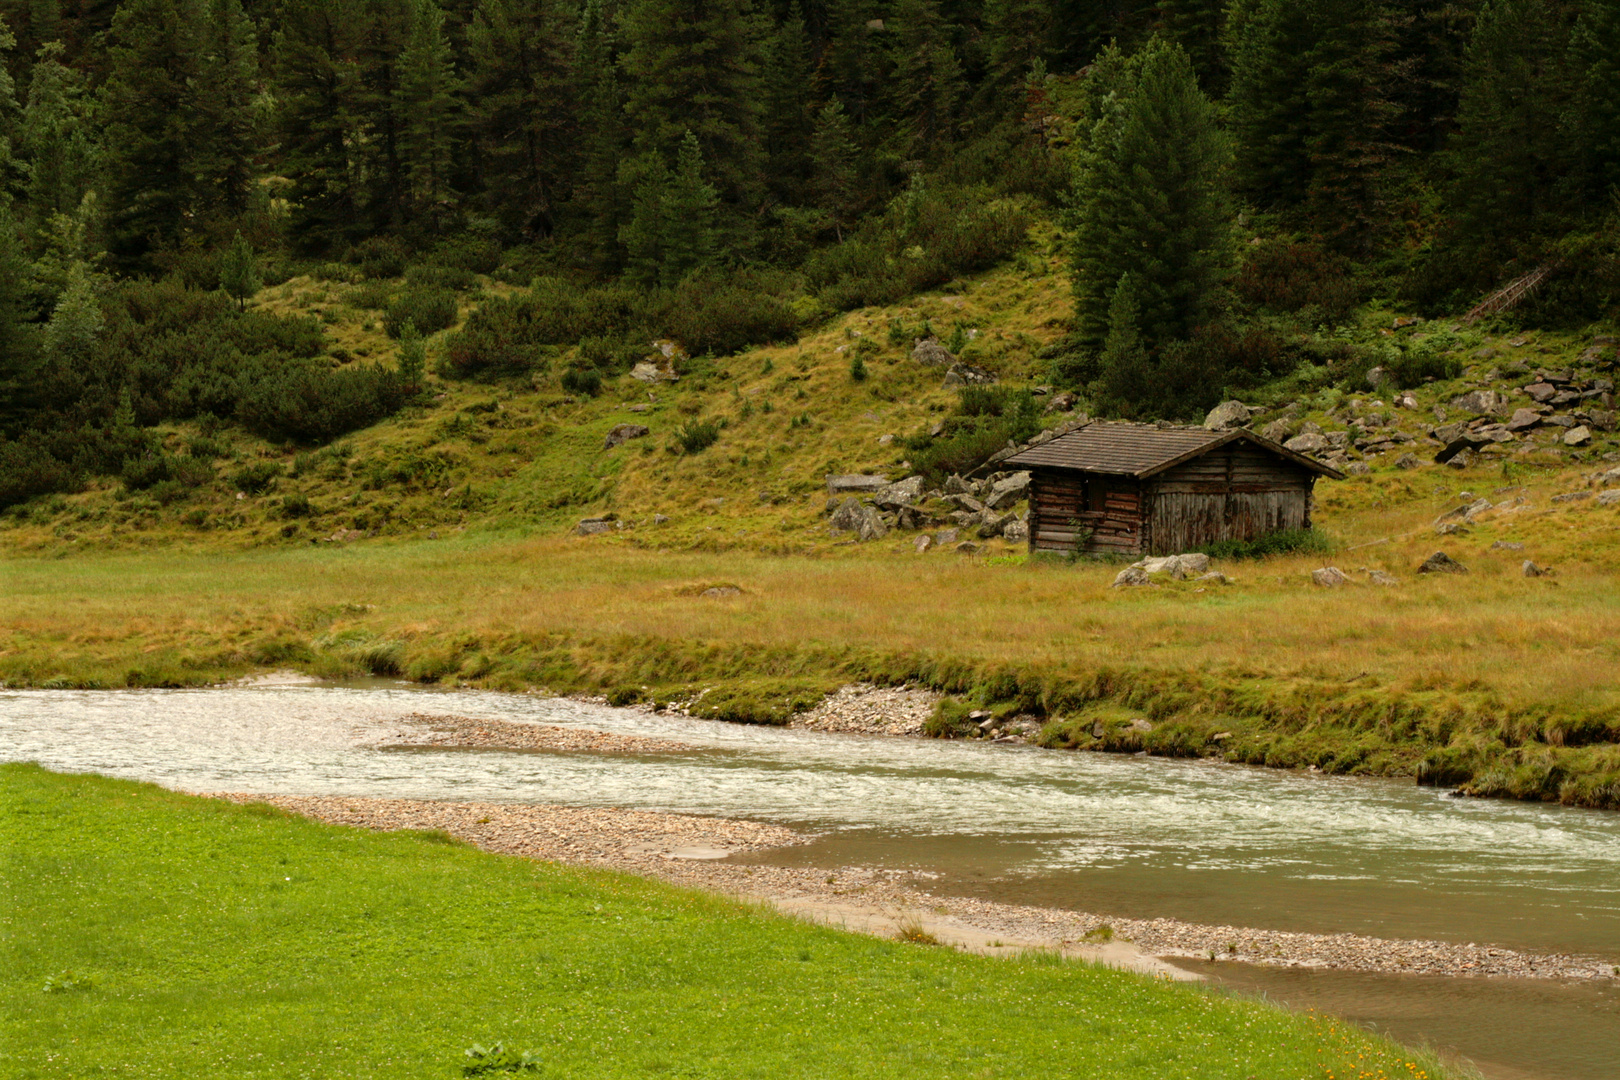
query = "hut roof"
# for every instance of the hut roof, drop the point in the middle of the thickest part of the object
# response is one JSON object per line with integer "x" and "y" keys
{"x": 1142, "y": 450}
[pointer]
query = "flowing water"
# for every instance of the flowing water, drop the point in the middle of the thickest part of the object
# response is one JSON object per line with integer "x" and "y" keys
{"x": 1129, "y": 836}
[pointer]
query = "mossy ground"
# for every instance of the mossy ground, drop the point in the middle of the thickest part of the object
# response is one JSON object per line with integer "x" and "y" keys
{"x": 154, "y": 934}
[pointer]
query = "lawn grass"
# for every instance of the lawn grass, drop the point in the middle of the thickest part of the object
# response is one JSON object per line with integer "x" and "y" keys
{"x": 148, "y": 933}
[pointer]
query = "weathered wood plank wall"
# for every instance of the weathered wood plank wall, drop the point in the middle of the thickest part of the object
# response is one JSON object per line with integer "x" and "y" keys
{"x": 1061, "y": 511}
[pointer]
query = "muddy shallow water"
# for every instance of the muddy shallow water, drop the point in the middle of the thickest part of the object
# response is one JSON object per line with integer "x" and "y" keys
{"x": 1132, "y": 836}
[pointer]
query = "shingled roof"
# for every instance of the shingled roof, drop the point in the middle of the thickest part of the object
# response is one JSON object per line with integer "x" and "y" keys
{"x": 1141, "y": 450}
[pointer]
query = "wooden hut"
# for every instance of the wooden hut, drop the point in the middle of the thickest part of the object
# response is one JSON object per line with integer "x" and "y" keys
{"x": 1141, "y": 489}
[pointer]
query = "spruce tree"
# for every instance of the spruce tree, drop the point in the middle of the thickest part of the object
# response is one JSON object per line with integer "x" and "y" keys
{"x": 239, "y": 272}
{"x": 1195, "y": 25}
{"x": 411, "y": 358}
{"x": 833, "y": 182}
{"x": 926, "y": 82}
{"x": 693, "y": 66}
{"x": 1511, "y": 154}
{"x": 853, "y": 62}
{"x": 150, "y": 127}
{"x": 521, "y": 108}
{"x": 10, "y": 117}
{"x": 789, "y": 118}
{"x": 318, "y": 118}
{"x": 672, "y": 227}
{"x": 1123, "y": 369}
{"x": 1150, "y": 202}
{"x": 228, "y": 117}
{"x": 17, "y": 338}
{"x": 600, "y": 206}
{"x": 1017, "y": 35}
{"x": 75, "y": 324}
{"x": 56, "y": 141}
{"x": 1595, "y": 54}
{"x": 425, "y": 108}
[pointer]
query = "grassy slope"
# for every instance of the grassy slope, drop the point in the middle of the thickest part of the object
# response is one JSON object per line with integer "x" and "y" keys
{"x": 236, "y": 941}
{"x": 1491, "y": 675}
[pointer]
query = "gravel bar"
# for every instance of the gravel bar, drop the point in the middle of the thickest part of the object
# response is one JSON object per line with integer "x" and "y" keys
{"x": 684, "y": 850}
{"x": 431, "y": 729}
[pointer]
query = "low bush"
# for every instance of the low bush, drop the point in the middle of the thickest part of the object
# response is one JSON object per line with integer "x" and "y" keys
{"x": 310, "y": 404}
{"x": 1299, "y": 279}
{"x": 987, "y": 417}
{"x": 429, "y": 308}
{"x": 28, "y": 468}
{"x": 454, "y": 278}
{"x": 1282, "y": 542}
{"x": 586, "y": 381}
{"x": 698, "y": 435}
{"x": 378, "y": 257}
{"x": 256, "y": 478}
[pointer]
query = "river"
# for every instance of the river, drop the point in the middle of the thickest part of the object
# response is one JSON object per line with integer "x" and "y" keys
{"x": 1127, "y": 836}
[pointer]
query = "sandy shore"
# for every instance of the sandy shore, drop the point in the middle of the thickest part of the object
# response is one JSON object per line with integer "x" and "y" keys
{"x": 689, "y": 850}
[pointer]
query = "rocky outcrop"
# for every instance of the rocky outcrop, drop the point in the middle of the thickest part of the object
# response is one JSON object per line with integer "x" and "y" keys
{"x": 1228, "y": 415}
{"x": 929, "y": 351}
{"x": 623, "y": 433}
{"x": 1441, "y": 563}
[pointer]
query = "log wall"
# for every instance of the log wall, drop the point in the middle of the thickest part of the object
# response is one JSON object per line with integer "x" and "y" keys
{"x": 1061, "y": 512}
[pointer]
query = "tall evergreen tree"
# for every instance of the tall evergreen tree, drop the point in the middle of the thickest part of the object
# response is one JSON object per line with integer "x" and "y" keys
{"x": 926, "y": 82}
{"x": 789, "y": 117}
{"x": 150, "y": 125}
{"x": 1150, "y": 202}
{"x": 672, "y": 230}
{"x": 693, "y": 66}
{"x": 521, "y": 104}
{"x": 10, "y": 116}
{"x": 854, "y": 62}
{"x": 16, "y": 335}
{"x": 833, "y": 152}
{"x": 227, "y": 100}
{"x": 1596, "y": 119}
{"x": 426, "y": 105}
{"x": 319, "y": 117}
{"x": 599, "y": 204}
{"x": 1017, "y": 35}
{"x": 1195, "y": 25}
{"x": 56, "y": 141}
{"x": 1512, "y": 157}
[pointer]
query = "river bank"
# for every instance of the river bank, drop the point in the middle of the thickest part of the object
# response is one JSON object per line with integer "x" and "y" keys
{"x": 685, "y": 849}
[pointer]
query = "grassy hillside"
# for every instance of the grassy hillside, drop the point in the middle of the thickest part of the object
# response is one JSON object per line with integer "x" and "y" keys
{"x": 240, "y": 941}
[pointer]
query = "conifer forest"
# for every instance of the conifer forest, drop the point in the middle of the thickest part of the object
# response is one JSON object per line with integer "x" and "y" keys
{"x": 1222, "y": 180}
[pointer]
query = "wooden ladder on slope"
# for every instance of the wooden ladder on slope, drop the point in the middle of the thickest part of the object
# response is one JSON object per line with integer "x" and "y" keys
{"x": 1511, "y": 293}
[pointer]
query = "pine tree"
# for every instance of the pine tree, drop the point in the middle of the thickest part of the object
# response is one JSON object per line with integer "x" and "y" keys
{"x": 1124, "y": 367}
{"x": 833, "y": 162}
{"x": 693, "y": 66}
{"x": 600, "y": 205}
{"x": 1150, "y": 202}
{"x": 926, "y": 83}
{"x": 789, "y": 118}
{"x": 1511, "y": 154}
{"x": 318, "y": 118}
{"x": 853, "y": 62}
{"x": 1195, "y": 25}
{"x": 425, "y": 108}
{"x": 521, "y": 105}
{"x": 1017, "y": 35}
{"x": 239, "y": 272}
{"x": 228, "y": 115}
{"x": 9, "y": 118}
{"x": 1596, "y": 116}
{"x": 411, "y": 358}
{"x": 70, "y": 335}
{"x": 672, "y": 231}
{"x": 151, "y": 131}
{"x": 17, "y": 339}
{"x": 55, "y": 139}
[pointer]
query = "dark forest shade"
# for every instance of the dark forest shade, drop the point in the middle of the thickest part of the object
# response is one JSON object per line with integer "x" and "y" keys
{"x": 1140, "y": 489}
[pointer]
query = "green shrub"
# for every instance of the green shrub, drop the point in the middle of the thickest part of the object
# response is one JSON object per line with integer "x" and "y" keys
{"x": 441, "y": 277}
{"x": 857, "y": 368}
{"x": 296, "y": 505}
{"x": 370, "y": 296}
{"x": 721, "y": 314}
{"x": 311, "y": 404}
{"x": 1303, "y": 280}
{"x": 256, "y": 478}
{"x": 429, "y": 308}
{"x": 1422, "y": 362}
{"x": 378, "y": 257}
{"x": 949, "y": 720}
{"x": 698, "y": 435}
{"x": 1282, "y": 542}
{"x": 586, "y": 381}
{"x": 986, "y": 418}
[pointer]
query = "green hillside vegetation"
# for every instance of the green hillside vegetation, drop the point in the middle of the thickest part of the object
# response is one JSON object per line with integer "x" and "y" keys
{"x": 241, "y": 940}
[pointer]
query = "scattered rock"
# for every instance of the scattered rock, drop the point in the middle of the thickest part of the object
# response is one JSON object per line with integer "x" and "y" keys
{"x": 1609, "y": 498}
{"x": 1578, "y": 436}
{"x": 1441, "y": 563}
{"x": 902, "y": 493}
{"x": 1569, "y": 497}
{"x": 1523, "y": 420}
{"x": 1179, "y": 567}
{"x": 945, "y": 536}
{"x": 1310, "y": 442}
{"x": 1358, "y": 468}
{"x": 961, "y": 374}
{"x": 1451, "y": 528}
{"x": 1061, "y": 402}
{"x": 1379, "y": 577}
{"x": 840, "y": 485}
{"x": 1403, "y": 321}
{"x": 1329, "y": 577}
{"x": 623, "y": 433}
{"x": 1406, "y": 400}
{"x": 1541, "y": 391}
{"x": 993, "y": 524}
{"x": 720, "y": 592}
{"x": 1005, "y": 492}
{"x": 968, "y": 547}
{"x": 659, "y": 519}
{"x": 929, "y": 351}
{"x": 1017, "y": 530}
{"x": 592, "y": 526}
{"x": 1228, "y": 415}
{"x": 1462, "y": 459}
{"x": 1215, "y": 577}
{"x": 1479, "y": 402}
{"x": 1131, "y": 575}
{"x": 923, "y": 543}
{"x": 1278, "y": 430}
{"x": 1507, "y": 545}
{"x": 1530, "y": 569}
{"x": 1408, "y": 461}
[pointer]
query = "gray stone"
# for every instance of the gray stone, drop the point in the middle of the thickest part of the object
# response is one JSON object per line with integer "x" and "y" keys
{"x": 841, "y": 485}
{"x": 1478, "y": 402}
{"x": 1003, "y": 493}
{"x": 623, "y": 433}
{"x": 1507, "y": 545}
{"x": 1377, "y": 377}
{"x": 1330, "y": 577}
{"x": 1578, "y": 436}
{"x": 1228, "y": 415}
{"x": 1131, "y": 575}
{"x": 720, "y": 592}
{"x": 929, "y": 351}
{"x": 1523, "y": 420}
{"x": 1572, "y": 496}
{"x": 945, "y": 536}
{"x": 1358, "y": 468}
{"x": 1017, "y": 530}
{"x": 1062, "y": 402}
{"x": 1441, "y": 563}
{"x": 968, "y": 547}
{"x": 1378, "y": 577}
{"x": 1609, "y": 498}
{"x": 955, "y": 485}
{"x": 659, "y": 519}
{"x": 1408, "y": 461}
{"x": 872, "y": 526}
{"x": 901, "y": 493}
{"x": 1310, "y": 442}
{"x": 592, "y": 526}
{"x": 1462, "y": 459}
{"x": 961, "y": 374}
{"x": 966, "y": 503}
{"x": 994, "y": 524}
{"x": 1277, "y": 430}
{"x": 1541, "y": 391}
{"x": 848, "y": 515}
{"x": 1530, "y": 569}
{"x": 1215, "y": 577}
{"x": 923, "y": 543}
{"x": 1406, "y": 400}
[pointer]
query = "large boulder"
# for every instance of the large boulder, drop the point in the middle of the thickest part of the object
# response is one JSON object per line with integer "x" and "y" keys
{"x": 1478, "y": 402}
{"x": 1523, "y": 420}
{"x": 929, "y": 351}
{"x": 843, "y": 485}
{"x": 623, "y": 433}
{"x": 1179, "y": 567}
{"x": 1329, "y": 577}
{"x": 1578, "y": 436}
{"x": 1310, "y": 442}
{"x": 1441, "y": 563}
{"x": 1011, "y": 489}
{"x": 1132, "y": 575}
{"x": 1228, "y": 415}
{"x": 1017, "y": 530}
{"x": 961, "y": 374}
{"x": 855, "y": 516}
{"x": 592, "y": 526}
{"x": 905, "y": 492}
